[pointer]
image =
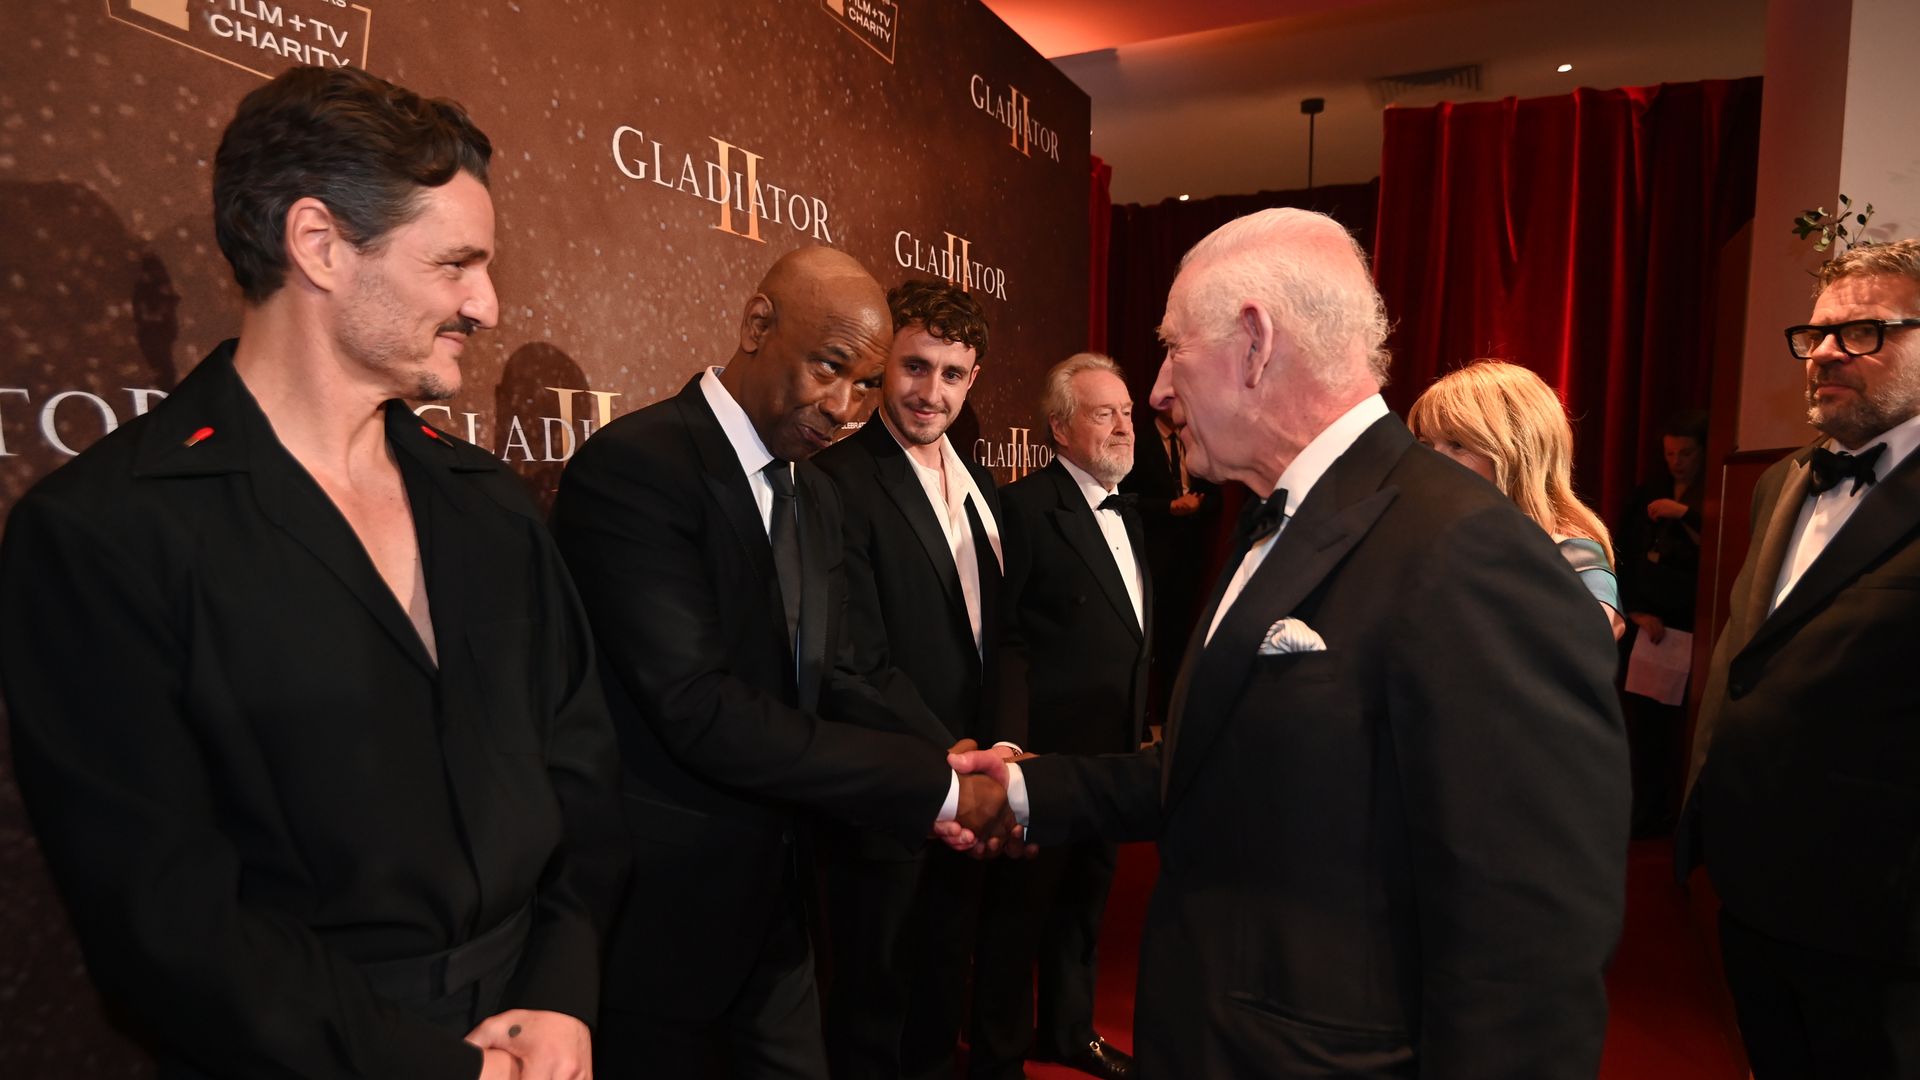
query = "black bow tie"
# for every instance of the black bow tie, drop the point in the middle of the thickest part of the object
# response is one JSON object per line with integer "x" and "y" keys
{"x": 1829, "y": 468}
{"x": 1119, "y": 503}
{"x": 1262, "y": 519}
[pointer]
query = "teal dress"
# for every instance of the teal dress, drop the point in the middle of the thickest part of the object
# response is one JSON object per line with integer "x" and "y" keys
{"x": 1590, "y": 559}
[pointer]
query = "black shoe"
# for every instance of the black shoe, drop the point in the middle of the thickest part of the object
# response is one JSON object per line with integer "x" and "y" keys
{"x": 1100, "y": 1058}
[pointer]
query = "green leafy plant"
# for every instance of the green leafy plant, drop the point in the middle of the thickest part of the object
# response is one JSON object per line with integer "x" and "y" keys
{"x": 1833, "y": 228}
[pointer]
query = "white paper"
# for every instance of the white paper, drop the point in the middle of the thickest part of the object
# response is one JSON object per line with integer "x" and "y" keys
{"x": 1660, "y": 671}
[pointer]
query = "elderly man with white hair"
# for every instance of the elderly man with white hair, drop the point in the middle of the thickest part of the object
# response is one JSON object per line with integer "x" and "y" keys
{"x": 1391, "y": 804}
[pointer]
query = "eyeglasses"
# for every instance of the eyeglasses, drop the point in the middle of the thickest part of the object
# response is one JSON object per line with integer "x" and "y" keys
{"x": 1859, "y": 337}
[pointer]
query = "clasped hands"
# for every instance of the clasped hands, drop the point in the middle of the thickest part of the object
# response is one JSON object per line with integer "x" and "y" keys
{"x": 984, "y": 823}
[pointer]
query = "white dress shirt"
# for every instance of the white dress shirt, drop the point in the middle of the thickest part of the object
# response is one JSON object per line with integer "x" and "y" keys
{"x": 1113, "y": 528}
{"x": 1306, "y": 470}
{"x": 754, "y": 455}
{"x": 948, "y": 488}
{"x": 1822, "y": 515}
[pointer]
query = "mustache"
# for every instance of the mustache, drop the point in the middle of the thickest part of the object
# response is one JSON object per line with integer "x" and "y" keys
{"x": 459, "y": 324}
{"x": 1834, "y": 375}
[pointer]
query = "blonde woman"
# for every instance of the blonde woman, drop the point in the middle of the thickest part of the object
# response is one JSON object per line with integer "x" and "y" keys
{"x": 1503, "y": 422}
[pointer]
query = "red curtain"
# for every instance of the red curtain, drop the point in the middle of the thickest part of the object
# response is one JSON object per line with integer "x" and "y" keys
{"x": 1577, "y": 236}
{"x": 1099, "y": 232}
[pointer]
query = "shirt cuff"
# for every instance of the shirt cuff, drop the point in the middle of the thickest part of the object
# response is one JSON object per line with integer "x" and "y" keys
{"x": 1016, "y": 793}
{"x": 951, "y": 808}
{"x": 1013, "y": 746}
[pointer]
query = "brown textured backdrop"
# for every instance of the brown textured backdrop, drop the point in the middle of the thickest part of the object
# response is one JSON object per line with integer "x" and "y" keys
{"x": 614, "y": 288}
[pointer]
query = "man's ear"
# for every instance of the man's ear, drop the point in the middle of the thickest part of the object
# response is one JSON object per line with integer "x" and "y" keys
{"x": 316, "y": 249}
{"x": 1258, "y": 326}
{"x": 756, "y": 325}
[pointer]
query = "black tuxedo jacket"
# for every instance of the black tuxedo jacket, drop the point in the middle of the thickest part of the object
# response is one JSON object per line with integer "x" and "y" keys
{"x": 1405, "y": 854}
{"x": 721, "y": 738}
{"x": 902, "y": 583}
{"x": 1073, "y": 655}
{"x": 248, "y": 775}
{"x": 1806, "y": 807}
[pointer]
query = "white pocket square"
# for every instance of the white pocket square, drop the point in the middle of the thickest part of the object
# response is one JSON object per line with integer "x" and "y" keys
{"x": 1291, "y": 636}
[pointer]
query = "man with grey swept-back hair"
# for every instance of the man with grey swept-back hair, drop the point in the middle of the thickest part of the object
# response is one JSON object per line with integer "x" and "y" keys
{"x": 1391, "y": 800}
{"x": 1074, "y": 660}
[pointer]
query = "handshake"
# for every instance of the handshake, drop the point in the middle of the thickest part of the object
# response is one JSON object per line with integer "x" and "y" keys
{"x": 984, "y": 823}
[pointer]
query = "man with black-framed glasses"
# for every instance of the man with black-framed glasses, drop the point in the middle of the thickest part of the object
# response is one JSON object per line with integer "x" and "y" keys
{"x": 1805, "y": 801}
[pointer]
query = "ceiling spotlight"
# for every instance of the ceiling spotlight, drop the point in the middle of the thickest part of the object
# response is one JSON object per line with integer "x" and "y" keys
{"x": 1184, "y": 198}
{"x": 1564, "y": 68}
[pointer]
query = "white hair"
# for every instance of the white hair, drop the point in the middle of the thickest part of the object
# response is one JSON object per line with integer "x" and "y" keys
{"x": 1307, "y": 272}
{"x": 1058, "y": 401}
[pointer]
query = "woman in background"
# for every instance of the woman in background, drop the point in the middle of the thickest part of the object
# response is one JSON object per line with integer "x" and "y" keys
{"x": 1503, "y": 422}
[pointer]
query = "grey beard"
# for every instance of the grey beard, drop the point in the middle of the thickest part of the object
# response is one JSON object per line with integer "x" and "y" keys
{"x": 1110, "y": 469}
{"x": 1856, "y": 424}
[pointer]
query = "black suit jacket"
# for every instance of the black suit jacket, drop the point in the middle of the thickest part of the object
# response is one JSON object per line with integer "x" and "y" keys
{"x": 721, "y": 739}
{"x": 1405, "y": 854}
{"x": 1073, "y": 655}
{"x": 1806, "y": 809}
{"x": 902, "y": 583}
{"x": 248, "y": 775}
{"x": 1179, "y": 549}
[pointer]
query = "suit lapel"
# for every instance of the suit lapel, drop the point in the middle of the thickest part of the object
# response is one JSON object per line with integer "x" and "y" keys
{"x": 903, "y": 488}
{"x": 446, "y": 555}
{"x": 1773, "y": 541}
{"x": 727, "y": 485}
{"x": 294, "y": 501}
{"x": 1189, "y": 658}
{"x": 1338, "y": 513}
{"x": 720, "y": 468}
{"x": 1074, "y": 518}
{"x": 1888, "y": 512}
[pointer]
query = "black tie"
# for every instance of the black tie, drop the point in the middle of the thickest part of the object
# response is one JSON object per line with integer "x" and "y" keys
{"x": 1120, "y": 504}
{"x": 784, "y": 532}
{"x": 1830, "y": 468}
{"x": 1260, "y": 520}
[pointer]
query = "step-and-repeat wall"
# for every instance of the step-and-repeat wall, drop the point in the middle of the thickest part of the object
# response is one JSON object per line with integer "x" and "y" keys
{"x": 653, "y": 157}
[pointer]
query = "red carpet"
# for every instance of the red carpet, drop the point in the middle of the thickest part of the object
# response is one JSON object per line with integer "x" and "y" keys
{"x": 1664, "y": 991}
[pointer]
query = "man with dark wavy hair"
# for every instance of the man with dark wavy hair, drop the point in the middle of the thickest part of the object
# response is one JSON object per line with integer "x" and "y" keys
{"x": 923, "y": 554}
{"x": 304, "y": 705}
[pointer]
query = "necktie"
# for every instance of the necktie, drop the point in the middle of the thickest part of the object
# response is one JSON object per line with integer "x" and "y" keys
{"x": 1260, "y": 520}
{"x": 1829, "y": 468}
{"x": 784, "y": 533}
{"x": 1120, "y": 504}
